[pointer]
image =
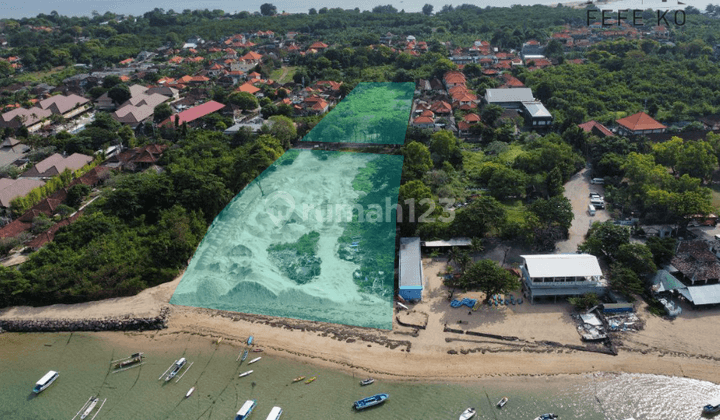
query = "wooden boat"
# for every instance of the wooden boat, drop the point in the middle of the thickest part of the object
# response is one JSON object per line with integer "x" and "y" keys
{"x": 370, "y": 401}
{"x": 135, "y": 358}
{"x": 310, "y": 380}
{"x": 712, "y": 406}
{"x": 502, "y": 402}
{"x": 245, "y": 373}
{"x": 468, "y": 414}
{"x": 254, "y": 360}
{"x": 189, "y": 393}
{"x": 244, "y": 356}
{"x": 367, "y": 381}
{"x": 257, "y": 350}
{"x": 90, "y": 408}
{"x": 250, "y": 340}
{"x": 298, "y": 379}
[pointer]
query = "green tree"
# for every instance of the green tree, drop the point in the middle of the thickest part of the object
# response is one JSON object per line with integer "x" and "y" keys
{"x": 662, "y": 249}
{"x": 624, "y": 280}
{"x": 243, "y": 100}
{"x": 444, "y": 147}
{"x": 427, "y": 9}
{"x": 490, "y": 278}
{"x": 637, "y": 257}
{"x": 554, "y": 182}
{"x": 119, "y": 94}
{"x": 476, "y": 219}
{"x": 584, "y": 302}
{"x": 417, "y": 161}
{"x": 555, "y": 211}
{"x": 604, "y": 239}
{"x": 697, "y": 159}
{"x": 283, "y": 129}
{"x": 491, "y": 113}
{"x": 76, "y": 194}
{"x": 268, "y": 9}
{"x": 162, "y": 112}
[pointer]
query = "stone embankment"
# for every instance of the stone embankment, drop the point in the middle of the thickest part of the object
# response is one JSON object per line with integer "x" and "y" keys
{"x": 125, "y": 323}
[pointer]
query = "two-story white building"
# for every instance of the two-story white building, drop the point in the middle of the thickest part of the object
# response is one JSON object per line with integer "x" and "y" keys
{"x": 561, "y": 275}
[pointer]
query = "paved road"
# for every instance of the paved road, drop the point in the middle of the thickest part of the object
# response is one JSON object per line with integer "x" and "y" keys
{"x": 577, "y": 190}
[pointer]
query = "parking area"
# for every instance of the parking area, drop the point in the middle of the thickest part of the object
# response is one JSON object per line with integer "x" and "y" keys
{"x": 577, "y": 190}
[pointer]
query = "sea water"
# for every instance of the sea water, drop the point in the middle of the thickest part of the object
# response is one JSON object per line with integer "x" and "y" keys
{"x": 83, "y": 360}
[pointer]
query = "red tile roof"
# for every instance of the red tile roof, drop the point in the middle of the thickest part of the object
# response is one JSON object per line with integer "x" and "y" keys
{"x": 640, "y": 121}
{"x": 248, "y": 87}
{"x": 195, "y": 112}
{"x": 593, "y": 125}
{"x": 472, "y": 118}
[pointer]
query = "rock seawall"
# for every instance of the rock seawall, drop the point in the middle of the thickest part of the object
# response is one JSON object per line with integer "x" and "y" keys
{"x": 124, "y": 323}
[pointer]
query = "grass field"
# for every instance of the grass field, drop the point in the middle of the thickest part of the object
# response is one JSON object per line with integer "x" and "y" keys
{"x": 283, "y": 75}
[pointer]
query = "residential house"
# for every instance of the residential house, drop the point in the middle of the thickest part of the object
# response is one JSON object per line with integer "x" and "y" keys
{"x": 193, "y": 114}
{"x": 509, "y": 98}
{"x": 12, "y": 152}
{"x": 139, "y": 158}
{"x": 68, "y": 106}
{"x": 711, "y": 122}
{"x": 441, "y": 107}
{"x": 536, "y": 115}
{"x": 639, "y": 124}
{"x": 696, "y": 271}
{"x": 561, "y": 275}
{"x": 594, "y": 127}
{"x": 532, "y": 50}
{"x": 32, "y": 118}
{"x": 10, "y": 189}
{"x": 56, "y": 164}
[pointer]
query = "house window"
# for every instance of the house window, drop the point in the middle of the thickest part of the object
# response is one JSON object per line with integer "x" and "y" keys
{"x": 535, "y": 122}
{"x": 541, "y": 122}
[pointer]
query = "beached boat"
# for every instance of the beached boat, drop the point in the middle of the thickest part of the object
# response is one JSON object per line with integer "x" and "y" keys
{"x": 189, "y": 393}
{"x": 176, "y": 369}
{"x": 135, "y": 358}
{"x": 367, "y": 381}
{"x": 502, "y": 402}
{"x": 275, "y": 413}
{"x": 90, "y": 408}
{"x": 250, "y": 341}
{"x": 245, "y": 355}
{"x": 370, "y": 401}
{"x": 245, "y": 373}
{"x": 298, "y": 379}
{"x": 712, "y": 407}
{"x": 257, "y": 350}
{"x": 254, "y": 360}
{"x": 245, "y": 410}
{"x": 468, "y": 414}
{"x": 311, "y": 380}
{"x": 45, "y": 381}
{"x": 548, "y": 416}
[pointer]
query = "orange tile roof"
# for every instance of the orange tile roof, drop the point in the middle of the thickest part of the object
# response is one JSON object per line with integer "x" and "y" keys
{"x": 318, "y": 45}
{"x": 247, "y": 87}
{"x": 588, "y": 127}
{"x": 640, "y": 121}
{"x": 471, "y": 118}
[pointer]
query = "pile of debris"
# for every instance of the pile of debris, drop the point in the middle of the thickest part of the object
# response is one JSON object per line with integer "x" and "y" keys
{"x": 591, "y": 327}
{"x": 624, "y": 322}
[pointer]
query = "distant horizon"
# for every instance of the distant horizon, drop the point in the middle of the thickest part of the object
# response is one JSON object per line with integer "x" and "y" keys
{"x": 32, "y": 8}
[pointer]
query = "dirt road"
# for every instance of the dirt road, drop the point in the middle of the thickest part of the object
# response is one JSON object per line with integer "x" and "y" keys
{"x": 577, "y": 190}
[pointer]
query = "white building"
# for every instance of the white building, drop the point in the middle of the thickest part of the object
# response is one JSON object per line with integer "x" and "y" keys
{"x": 563, "y": 275}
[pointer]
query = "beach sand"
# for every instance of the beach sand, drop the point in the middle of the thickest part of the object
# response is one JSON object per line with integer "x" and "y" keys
{"x": 686, "y": 347}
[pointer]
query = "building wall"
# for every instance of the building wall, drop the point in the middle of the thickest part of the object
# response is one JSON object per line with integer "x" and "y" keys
{"x": 411, "y": 293}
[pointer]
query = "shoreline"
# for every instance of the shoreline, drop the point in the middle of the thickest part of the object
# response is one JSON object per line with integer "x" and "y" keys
{"x": 405, "y": 354}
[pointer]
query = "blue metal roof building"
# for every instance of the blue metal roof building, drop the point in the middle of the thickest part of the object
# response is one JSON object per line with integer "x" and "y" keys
{"x": 410, "y": 271}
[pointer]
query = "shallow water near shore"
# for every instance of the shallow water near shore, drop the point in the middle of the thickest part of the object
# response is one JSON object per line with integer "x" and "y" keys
{"x": 83, "y": 360}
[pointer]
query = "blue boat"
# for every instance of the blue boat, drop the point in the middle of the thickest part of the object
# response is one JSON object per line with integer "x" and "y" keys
{"x": 370, "y": 401}
{"x": 250, "y": 340}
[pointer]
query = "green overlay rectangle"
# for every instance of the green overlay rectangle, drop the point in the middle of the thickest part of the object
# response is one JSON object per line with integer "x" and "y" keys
{"x": 372, "y": 113}
{"x": 312, "y": 237}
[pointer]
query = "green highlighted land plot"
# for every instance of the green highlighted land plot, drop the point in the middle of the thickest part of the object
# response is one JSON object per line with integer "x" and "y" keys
{"x": 312, "y": 237}
{"x": 371, "y": 113}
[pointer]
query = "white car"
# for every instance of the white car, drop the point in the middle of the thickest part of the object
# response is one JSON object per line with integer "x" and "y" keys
{"x": 599, "y": 181}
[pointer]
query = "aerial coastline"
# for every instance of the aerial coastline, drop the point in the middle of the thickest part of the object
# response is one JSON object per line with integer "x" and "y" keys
{"x": 404, "y": 354}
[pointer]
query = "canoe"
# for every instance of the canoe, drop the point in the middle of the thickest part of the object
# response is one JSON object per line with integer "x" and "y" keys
{"x": 189, "y": 393}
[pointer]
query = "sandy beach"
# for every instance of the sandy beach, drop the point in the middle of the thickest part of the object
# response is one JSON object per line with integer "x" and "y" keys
{"x": 685, "y": 347}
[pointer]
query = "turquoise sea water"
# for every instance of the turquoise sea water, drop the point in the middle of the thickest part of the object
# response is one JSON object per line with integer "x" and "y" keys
{"x": 83, "y": 362}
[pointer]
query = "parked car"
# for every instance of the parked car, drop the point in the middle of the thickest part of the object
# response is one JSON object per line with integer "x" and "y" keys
{"x": 598, "y": 181}
{"x": 596, "y": 196}
{"x": 599, "y": 204}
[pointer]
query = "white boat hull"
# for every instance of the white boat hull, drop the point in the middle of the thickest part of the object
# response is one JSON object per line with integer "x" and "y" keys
{"x": 189, "y": 393}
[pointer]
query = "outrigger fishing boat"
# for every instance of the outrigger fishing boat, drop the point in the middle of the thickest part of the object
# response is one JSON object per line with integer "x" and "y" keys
{"x": 254, "y": 360}
{"x": 367, "y": 381}
{"x": 135, "y": 358}
{"x": 176, "y": 369}
{"x": 90, "y": 408}
{"x": 298, "y": 379}
{"x": 245, "y": 373}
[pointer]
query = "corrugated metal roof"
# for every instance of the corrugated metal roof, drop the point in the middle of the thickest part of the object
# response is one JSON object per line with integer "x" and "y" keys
{"x": 449, "y": 242}
{"x": 562, "y": 265}
{"x": 664, "y": 281}
{"x": 410, "y": 262}
{"x": 536, "y": 109}
{"x": 705, "y": 295}
{"x": 509, "y": 95}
